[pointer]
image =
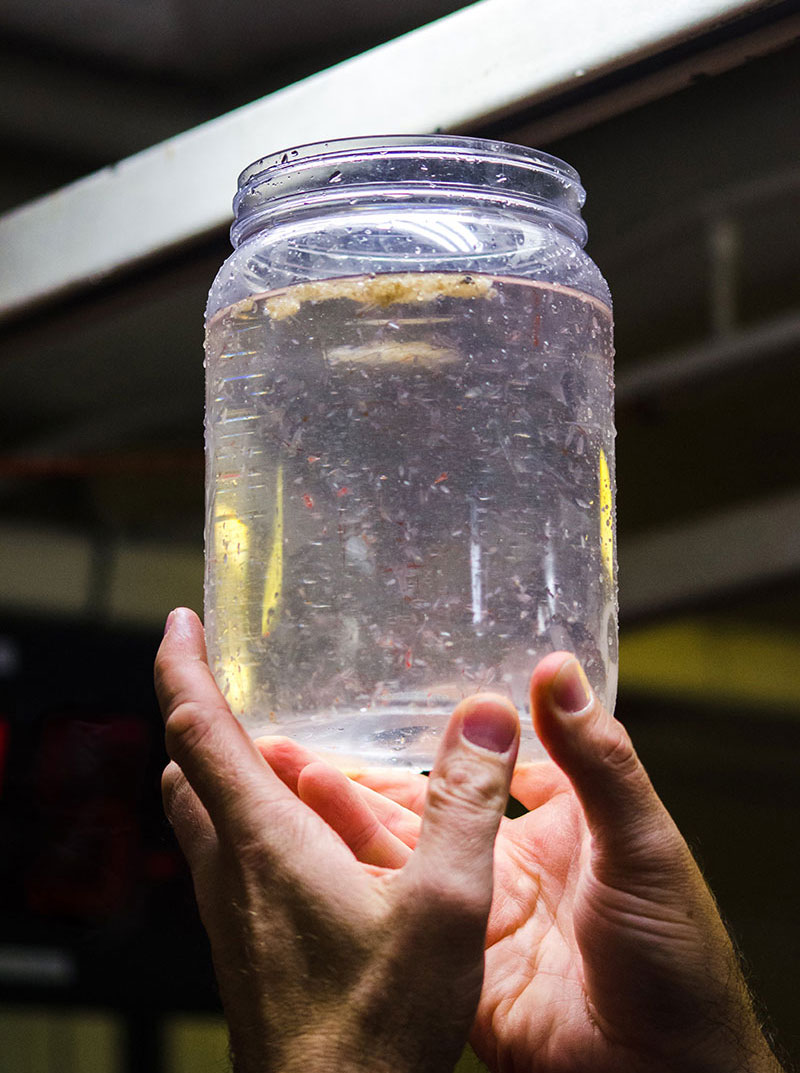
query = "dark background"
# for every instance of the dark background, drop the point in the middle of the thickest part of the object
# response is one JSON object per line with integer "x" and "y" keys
{"x": 693, "y": 207}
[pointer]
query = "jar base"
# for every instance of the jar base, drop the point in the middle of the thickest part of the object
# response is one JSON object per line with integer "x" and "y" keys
{"x": 400, "y": 737}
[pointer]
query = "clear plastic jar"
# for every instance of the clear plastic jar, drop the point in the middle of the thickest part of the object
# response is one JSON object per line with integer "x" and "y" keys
{"x": 409, "y": 442}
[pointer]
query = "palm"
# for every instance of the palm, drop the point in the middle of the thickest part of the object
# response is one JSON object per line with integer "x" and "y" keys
{"x": 534, "y": 1004}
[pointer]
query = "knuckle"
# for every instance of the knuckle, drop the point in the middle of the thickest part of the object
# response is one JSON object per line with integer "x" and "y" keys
{"x": 468, "y": 783}
{"x": 363, "y": 835}
{"x": 187, "y": 727}
{"x": 616, "y": 753}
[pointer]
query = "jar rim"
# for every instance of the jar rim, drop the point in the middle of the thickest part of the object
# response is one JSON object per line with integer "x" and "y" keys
{"x": 391, "y": 144}
{"x": 324, "y": 175}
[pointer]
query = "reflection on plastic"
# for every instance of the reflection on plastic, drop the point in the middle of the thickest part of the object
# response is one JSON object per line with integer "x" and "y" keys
{"x": 232, "y": 552}
{"x": 606, "y": 517}
{"x": 274, "y": 578}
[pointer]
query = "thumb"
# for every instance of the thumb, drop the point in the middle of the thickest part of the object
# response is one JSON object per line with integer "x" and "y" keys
{"x": 466, "y": 799}
{"x": 633, "y": 836}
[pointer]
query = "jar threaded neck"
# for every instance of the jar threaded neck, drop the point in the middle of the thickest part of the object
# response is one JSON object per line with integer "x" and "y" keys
{"x": 407, "y": 168}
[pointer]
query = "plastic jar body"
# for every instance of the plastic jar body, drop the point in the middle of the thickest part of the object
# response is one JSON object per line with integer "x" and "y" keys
{"x": 409, "y": 442}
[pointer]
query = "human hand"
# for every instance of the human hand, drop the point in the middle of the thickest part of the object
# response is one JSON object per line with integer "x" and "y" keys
{"x": 325, "y": 962}
{"x": 605, "y": 949}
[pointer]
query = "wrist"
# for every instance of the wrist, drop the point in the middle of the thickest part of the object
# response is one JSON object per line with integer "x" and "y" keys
{"x": 325, "y": 1051}
{"x": 323, "y": 1058}
{"x": 765, "y": 1060}
{"x": 736, "y": 1050}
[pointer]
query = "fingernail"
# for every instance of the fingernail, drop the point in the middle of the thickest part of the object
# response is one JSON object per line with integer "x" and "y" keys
{"x": 570, "y": 690}
{"x": 491, "y": 725}
{"x": 178, "y": 617}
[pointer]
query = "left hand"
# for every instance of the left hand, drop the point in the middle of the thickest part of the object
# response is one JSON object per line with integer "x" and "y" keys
{"x": 324, "y": 961}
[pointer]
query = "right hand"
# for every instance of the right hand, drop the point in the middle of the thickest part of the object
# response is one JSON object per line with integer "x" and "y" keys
{"x": 605, "y": 949}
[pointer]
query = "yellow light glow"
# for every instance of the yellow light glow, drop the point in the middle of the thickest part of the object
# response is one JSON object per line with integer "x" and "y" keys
{"x": 231, "y": 545}
{"x": 273, "y": 582}
{"x": 606, "y": 517}
{"x": 716, "y": 660}
{"x": 236, "y": 686}
{"x": 232, "y": 549}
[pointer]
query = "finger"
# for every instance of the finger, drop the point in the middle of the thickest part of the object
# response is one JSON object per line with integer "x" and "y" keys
{"x": 633, "y": 836}
{"x": 654, "y": 950}
{"x": 401, "y": 822}
{"x": 342, "y": 806}
{"x": 190, "y": 821}
{"x": 288, "y": 759}
{"x": 212, "y": 749}
{"x": 404, "y": 787}
{"x": 467, "y": 795}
